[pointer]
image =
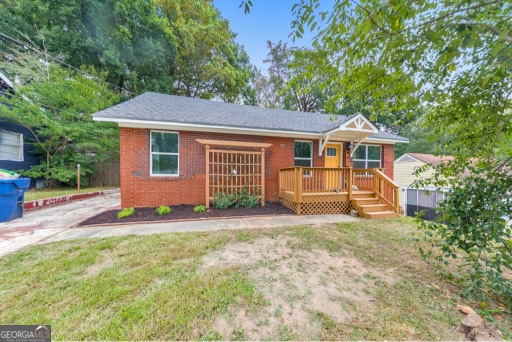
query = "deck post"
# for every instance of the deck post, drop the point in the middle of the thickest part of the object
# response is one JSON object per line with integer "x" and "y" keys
{"x": 262, "y": 176}
{"x": 395, "y": 200}
{"x": 349, "y": 185}
{"x": 298, "y": 189}
{"x": 207, "y": 174}
{"x": 376, "y": 183}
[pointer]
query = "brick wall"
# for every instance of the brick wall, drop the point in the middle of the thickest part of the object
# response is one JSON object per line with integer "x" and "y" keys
{"x": 388, "y": 160}
{"x": 139, "y": 189}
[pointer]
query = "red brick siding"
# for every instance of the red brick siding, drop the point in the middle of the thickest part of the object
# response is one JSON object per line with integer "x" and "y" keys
{"x": 139, "y": 189}
{"x": 388, "y": 160}
{"x": 347, "y": 161}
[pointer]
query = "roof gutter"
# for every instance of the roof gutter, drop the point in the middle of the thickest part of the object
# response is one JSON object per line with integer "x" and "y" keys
{"x": 208, "y": 128}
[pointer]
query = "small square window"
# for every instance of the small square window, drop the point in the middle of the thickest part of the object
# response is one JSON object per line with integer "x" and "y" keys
{"x": 331, "y": 151}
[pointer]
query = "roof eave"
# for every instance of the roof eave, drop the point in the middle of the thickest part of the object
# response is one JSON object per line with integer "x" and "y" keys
{"x": 207, "y": 128}
{"x": 133, "y": 123}
{"x": 383, "y": 141}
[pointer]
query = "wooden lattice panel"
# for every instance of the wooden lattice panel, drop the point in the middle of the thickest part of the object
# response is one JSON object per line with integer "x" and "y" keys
{"x": 287, "y": 196}
{"x": 317, "y": 204}
{"x": 315, "y": 208}
{"x": 324, "y": 198}
{"x": 287, "y": 201}
{"x": 232, "y": 171}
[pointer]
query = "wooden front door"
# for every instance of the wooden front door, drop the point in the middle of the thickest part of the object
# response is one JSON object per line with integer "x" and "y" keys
{"x": 332, "y": 159}
{"x": 332, "y": 155}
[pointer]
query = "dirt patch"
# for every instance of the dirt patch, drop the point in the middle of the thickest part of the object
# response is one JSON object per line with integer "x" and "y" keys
{"x": 95, "y": 268}
{"x": 299, "y": 285}
{"x": 186, "y": 212}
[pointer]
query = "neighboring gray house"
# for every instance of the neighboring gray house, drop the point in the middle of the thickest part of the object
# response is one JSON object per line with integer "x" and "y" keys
{"x": 15, "y": 140}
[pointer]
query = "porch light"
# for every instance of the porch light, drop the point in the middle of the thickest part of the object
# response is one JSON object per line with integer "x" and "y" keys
{"x": 350, "y": 145}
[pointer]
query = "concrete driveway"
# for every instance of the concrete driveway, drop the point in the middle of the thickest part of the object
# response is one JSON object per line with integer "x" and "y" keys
{"x": 41, "y": 224}
{"x": 57, "y": 223}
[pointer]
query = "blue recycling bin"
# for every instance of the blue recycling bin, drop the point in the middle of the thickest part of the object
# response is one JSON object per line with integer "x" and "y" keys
{"x": 12, "y": 198}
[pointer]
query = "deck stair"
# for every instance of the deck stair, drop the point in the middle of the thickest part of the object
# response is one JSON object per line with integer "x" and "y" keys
{"x": 369, "y": 205}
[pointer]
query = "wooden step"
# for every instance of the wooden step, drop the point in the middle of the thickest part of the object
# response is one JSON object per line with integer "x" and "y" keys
{"x": 380, "y": 214}
{"x": 362, "y": 194}
{"x": 369, "y": 200}
{"x": 367, "y": 208}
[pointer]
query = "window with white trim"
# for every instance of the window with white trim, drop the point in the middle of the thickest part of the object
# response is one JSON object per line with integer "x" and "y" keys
{"x": 164, "y": 153}
{"x": 303, "y": 153}
{"x": 11, "y": 146}
{"x": 367, "y": 157}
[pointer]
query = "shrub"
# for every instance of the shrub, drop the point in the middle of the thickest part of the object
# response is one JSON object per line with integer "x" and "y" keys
{"x": 224, "y": 201}
{"x": 250, "y": 202}
{"x": 163, "y": 210}
{"x": 246, "y": 200}
{"x": 199, "y": 209}
{"x": 126, "y": 212}
{"x": 241, "y": 198}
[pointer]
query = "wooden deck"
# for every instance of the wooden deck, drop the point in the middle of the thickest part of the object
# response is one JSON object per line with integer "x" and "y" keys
{"x": 310, "y": 191}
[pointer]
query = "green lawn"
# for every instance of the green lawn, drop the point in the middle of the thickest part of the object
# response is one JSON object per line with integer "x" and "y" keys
{"x": 38, "y": 194}
{"x": 159, "y": 287}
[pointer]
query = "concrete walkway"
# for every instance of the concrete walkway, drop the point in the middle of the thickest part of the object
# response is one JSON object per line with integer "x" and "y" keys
{"x": 59, "y": 223}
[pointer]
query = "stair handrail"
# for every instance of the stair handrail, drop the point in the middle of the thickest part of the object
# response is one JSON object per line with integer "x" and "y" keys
{"x": 379, "y": 180}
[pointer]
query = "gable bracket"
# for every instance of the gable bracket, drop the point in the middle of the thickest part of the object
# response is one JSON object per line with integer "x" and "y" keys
{"x": 321, "y": 145}
{"x": 355, "y": 148}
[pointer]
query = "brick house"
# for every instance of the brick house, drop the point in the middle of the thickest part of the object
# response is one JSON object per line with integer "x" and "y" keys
{"x": 167, "y": 142}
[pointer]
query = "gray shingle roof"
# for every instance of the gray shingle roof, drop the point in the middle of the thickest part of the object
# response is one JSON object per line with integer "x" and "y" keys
{"x": 154, "y": 107}
{"x": 179, "y": 109}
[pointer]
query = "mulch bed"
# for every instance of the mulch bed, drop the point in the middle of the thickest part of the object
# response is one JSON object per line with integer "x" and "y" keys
{"x": 186, "y": 212}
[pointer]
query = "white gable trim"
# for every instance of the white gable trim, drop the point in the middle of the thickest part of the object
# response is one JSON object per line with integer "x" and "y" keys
{"x": 407, "y": 155}
{"x": 359, "y": 122}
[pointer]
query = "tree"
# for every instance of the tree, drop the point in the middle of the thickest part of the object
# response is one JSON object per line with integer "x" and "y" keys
{"x": 56, "y": 106}
{"x": 287, "y": 86}
{"x": 127, "y": 39}
{"x": 208, "y": 63}
{"x": 306, "y": 92}
{"x": 178, "y": 47}
{"x": 421, "y": 138}
{"x": 456, "y": 57}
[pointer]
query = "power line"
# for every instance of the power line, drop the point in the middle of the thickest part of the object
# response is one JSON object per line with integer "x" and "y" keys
{"x": 27, "y": 46}
{"x": 25, "y": 98}
{"x": 42, "y": 104}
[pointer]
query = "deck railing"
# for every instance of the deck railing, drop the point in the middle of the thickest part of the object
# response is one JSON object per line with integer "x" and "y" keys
{"x": 386, "y": 189}
{"x": 304, "y": 180}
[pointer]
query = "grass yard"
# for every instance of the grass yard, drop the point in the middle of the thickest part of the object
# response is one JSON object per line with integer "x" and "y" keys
{"x": 37, "y": 194}
{"x": 357, "y": 281}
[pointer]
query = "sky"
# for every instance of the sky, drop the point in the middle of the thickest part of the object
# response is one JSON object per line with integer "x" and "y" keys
{"x": 268, "y": 20}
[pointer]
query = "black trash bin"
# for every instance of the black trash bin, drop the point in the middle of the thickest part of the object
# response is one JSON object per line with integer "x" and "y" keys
{"x": 12, "y": 198}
